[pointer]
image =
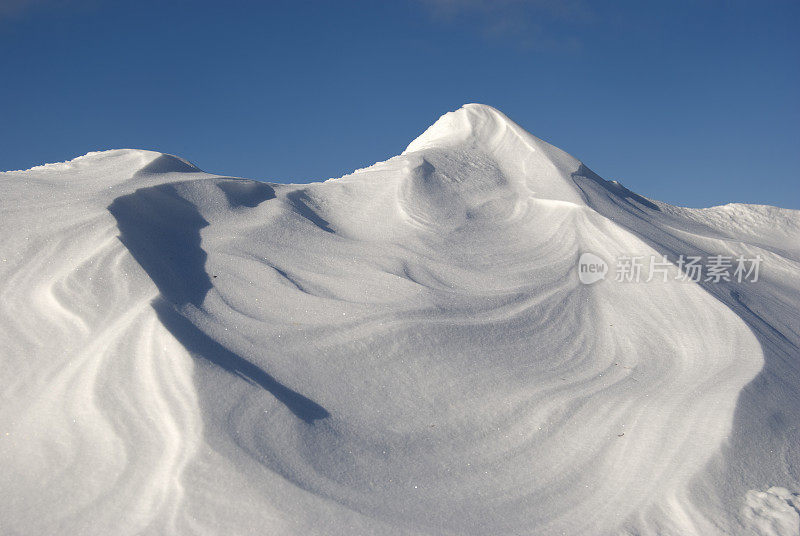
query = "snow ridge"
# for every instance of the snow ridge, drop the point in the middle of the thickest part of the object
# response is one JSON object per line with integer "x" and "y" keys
{"x": 405, "y": 350}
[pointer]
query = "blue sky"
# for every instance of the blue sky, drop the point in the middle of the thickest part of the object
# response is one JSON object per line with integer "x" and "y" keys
{"x": 691, "y": 102}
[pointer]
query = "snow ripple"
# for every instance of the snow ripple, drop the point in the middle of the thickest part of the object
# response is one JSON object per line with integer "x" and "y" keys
{"x": 405, "y": 350}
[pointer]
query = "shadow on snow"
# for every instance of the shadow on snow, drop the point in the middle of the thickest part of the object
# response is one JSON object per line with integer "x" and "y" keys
{"x": 161, "y": 229}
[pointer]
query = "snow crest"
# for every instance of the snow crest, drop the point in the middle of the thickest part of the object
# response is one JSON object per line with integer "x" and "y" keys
{"x": 405, "y": 350}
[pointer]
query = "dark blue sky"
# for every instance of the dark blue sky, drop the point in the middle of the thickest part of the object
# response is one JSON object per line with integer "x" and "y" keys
{"x": 691, "y": 102}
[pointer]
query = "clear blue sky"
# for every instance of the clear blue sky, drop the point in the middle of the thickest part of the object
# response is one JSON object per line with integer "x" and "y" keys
{"x": 691, "y": 102}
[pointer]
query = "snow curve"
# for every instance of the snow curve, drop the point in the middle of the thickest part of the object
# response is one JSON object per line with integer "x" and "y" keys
{"x": 405, "y": 350}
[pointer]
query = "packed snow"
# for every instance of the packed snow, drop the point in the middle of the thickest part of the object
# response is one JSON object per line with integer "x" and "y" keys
{"x": 408, "y": 349}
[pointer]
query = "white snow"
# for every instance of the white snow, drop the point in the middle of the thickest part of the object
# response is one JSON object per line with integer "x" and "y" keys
{"x": 404, "y": 350}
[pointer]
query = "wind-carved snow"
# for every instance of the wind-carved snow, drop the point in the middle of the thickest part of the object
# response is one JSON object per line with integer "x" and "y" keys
{"x": 404, "y": 350}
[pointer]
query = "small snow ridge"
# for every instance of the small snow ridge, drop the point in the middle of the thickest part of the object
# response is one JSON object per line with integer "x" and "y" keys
{"x": 167, "y": 163}
{"x": 148, "y": 161}
{"x": 453, "y": 128}
{"x": 775, "y": 512}
{"x": 531, "y": 165}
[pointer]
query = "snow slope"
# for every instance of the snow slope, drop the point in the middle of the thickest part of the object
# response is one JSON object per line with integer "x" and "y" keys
{"x": 404, "y": 350}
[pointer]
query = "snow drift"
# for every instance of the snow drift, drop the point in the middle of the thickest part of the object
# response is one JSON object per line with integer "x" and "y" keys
{"x": 404, "y": 350}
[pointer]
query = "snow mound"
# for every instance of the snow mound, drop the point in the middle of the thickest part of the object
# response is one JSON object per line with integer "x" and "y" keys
{"x": 406, "y": 350}
{"x": 541, "y": 169}
{"x": 772, "y": 512}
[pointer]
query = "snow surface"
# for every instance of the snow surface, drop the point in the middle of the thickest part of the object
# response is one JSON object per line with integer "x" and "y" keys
{"x": 404, "y": 350}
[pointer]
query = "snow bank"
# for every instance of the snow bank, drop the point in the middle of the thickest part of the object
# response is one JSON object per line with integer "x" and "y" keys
{"x": 405, "y": 350}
